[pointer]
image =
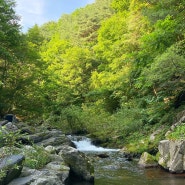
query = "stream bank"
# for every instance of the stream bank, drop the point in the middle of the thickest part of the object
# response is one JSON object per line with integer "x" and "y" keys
{"x": 111, "y": 166}
{"x": 116, "y": 169}
{"x": 40, "y": 156}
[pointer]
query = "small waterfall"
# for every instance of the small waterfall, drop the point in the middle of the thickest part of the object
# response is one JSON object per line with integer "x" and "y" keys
{"x": 84, "y": 144}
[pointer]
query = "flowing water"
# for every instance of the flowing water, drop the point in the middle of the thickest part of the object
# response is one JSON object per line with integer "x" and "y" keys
{"x": 117, "y": 170}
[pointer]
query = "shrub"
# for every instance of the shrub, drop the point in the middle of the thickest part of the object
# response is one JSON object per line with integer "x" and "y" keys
{"x": 36, "y": 157}
{"x": 178, "y": 133}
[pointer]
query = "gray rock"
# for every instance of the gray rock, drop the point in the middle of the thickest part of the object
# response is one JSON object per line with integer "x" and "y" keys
{"x": 164, "y": 148}
{"x": 80, "y": 165}
{"x": 55, "y": 157}
{"x": 172, "y": 155}
{"x": 4, "y": 122}
{"x": 50, "y": 149}
{"x": 147, "y": 160}
{"x": 38, "y": 177}
{"x": 57, "y": 166}
{"x": 55, "y": 133}
{"x": 28, "y": 171}
{"x": 55, "y": 172}
{"x": 13, "y": 166}
{"x": 55, "y": 141}
{"x": 47, "y": 180}
{"x": 22, "y": 181}
{"x": 10, "y": 127}
{"x": 46, "y": 177}
{"x": 59, "y": 169}
{"x": 177, "y": 154}
{"x": 38, "y": 137}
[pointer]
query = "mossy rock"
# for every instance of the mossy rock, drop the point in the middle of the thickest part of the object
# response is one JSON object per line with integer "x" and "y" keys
{"x": 147, "y": 160}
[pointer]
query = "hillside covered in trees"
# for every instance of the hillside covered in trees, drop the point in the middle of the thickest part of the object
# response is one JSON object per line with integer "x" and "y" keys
{"x": 114, "y": 69}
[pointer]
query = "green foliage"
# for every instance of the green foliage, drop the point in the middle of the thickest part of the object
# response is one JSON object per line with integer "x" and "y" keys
{"x": 67, "y": 119}
{"x": 8, "y": 138}
{"x": 35, "y": 36}
{"x": 9, "y": 39}
{"x": 3, "y": 172}
{"x": 113, "y": 68}
{"x": 36, "y": 157}
{"x": 9, "y": 32}
{"x": 80, "y": 27}
{"x": 7, "y": 151}
{"x": 158, "y": 10}
{"x": 115, "y": 73}
{"x": 120, "y": 5}
{"x": 8, "y": 141}
{"x": 20, "y": 64}
{"x": 165, "y": 76}
{"x": 164, "y": 35}
{"x": 178, "y": 133}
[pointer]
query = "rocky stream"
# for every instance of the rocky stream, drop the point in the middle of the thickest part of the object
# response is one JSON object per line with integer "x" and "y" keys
{"x": 74, "y": 160}
{"x": 113, "y": 168}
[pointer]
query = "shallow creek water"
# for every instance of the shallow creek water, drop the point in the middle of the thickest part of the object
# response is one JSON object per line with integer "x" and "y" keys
{"x": 117, "y": 170}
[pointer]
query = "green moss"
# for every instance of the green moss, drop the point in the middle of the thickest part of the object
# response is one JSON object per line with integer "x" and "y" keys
{"x": 139, "y": 146}
{"x": 157, "y": 156}
{"x": 178, "y": 133}
{"x": 151, "y": 159}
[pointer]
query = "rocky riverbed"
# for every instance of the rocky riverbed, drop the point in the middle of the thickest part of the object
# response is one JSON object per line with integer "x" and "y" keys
{"x": 39, "y": 155}
{"x": 35, "y": 145}
{"x": 113, "y": 167}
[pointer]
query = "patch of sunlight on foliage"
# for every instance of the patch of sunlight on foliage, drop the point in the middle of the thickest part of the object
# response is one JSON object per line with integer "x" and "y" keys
{"x": 178, "y": 133}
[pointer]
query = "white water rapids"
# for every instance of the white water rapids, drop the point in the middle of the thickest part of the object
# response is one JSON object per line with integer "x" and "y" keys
{"x": 84, "y": 144}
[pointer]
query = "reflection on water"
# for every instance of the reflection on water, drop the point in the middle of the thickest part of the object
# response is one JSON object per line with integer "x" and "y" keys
{"x": 116, "y": 170}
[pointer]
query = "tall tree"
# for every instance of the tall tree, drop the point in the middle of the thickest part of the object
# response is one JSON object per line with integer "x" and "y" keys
{"x": 9, "y": 39}
{"x": 80, "y": 27}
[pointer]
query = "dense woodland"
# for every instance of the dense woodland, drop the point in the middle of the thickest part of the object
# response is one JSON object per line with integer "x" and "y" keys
{"x": 114, "y": 69}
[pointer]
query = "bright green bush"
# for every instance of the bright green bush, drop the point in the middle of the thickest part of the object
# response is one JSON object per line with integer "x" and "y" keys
{"x": 36, "y": 157}
{"x": 178, "y": 133}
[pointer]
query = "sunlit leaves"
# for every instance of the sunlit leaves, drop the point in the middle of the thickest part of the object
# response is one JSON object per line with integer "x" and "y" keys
{"x": 166, "y": 73}
{"x": 163, "y": 36}
{"x": 76, "y": 70}
{"x": 120, "y": 5}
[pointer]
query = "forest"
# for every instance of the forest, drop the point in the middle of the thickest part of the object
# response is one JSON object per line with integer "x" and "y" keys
{"x": 114, "y": 70}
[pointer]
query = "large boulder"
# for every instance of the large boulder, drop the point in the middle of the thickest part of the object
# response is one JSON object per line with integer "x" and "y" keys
{"x": 40, "y": 136}
{"x": 164, "y": 153}
{"x": 50, "y": 149}
{"x": 56, "y": 141}
{"x": 65, "y": 160}
{"x": 80, "y": 165}
{"x": 46, "y": 138}
{"x": 12, "y": 167}
{"x": 172, "y": 155}
{"x": 38, "y": 177}
{"x": 52, "y": 138}
{"x": 59, "y": 169}
{"x": 11, "y": 127}
{"x": 147, "y": 160}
